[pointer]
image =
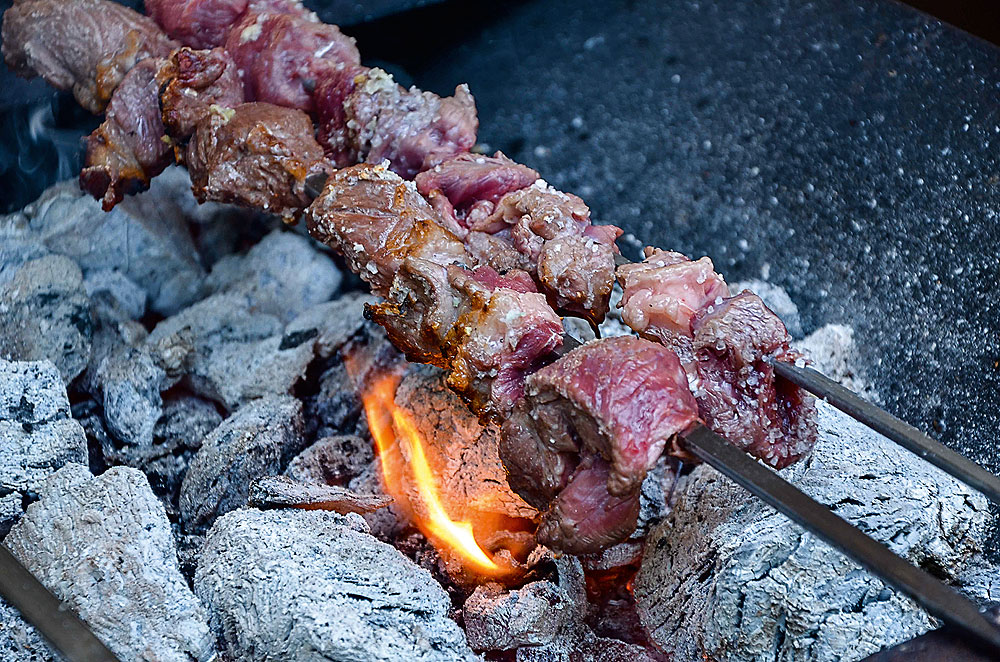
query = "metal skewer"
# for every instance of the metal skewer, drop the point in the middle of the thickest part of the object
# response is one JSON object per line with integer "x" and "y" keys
{"x": 899, "y": 431}
{"x": 933, "y": 595}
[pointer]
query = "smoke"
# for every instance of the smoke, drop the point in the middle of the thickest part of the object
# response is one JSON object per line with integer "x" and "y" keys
{"x": 40, "y": 143}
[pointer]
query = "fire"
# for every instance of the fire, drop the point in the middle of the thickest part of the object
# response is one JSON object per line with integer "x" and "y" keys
{"x": 397, "y": 438}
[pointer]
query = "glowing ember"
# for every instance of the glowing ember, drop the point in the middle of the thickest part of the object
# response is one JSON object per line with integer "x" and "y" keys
{"x": 396, "y": 436}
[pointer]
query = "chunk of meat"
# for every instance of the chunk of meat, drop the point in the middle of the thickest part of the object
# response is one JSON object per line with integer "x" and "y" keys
{"x": 468, "y": 180}
{"x": 197, "y": 23}
{"x": 191, "y": 82}
{"x": 411, "y": 129}
{"x": 128, "y": 148}
{"x": 738, "y": 394}
{"x": 86, "y": 46}
{"x": 256, "y": 155}
{"x": 280, "y": 55}
{"x": 333, "y": 86}
{"x": 619, "y": 400}
{"x": 501, "y": 336}
{"x": 663, "y": 293}
{"x": 578, "y": 273}
{"x": 376, "y": 220}
{"x": 585, "y": 517}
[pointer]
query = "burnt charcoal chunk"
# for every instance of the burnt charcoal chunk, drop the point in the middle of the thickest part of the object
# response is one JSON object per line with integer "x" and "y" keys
{"x": 314, "y": 586}
{"x": 283, "y": 492}
{"x": 103, "y": 542}
{"x": 37, "y": 434}
{"x": 47, "y": 316}
{"x": 332, "y": 460}
{"x": 256, "y": 441}
{"x": 726, "y": 578}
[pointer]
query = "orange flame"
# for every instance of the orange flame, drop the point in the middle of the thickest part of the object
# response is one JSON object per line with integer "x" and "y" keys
{"x": 391, "y": 427}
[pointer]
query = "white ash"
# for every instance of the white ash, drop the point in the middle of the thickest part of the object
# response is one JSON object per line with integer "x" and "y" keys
{"x": 335, "y": 322}
{"x": 727, "y": 578}
{"x": 258, "y": 440}
{"x": 282, "y": 275}
{"x": 104, "y": 547}
{"x": 20, "y": 641}
{"x": 126, "y": 294}
{"x": 130, "y": 382}
{"x": 237, "y": 354}
{"x": 314, "y": 586}
{"x": 334, "y": 460}
{"x": 144, "y": 238}
{"x": 37, "y": 433}
{"x": 46, "y": 315}
{"x": 832, "y": 350}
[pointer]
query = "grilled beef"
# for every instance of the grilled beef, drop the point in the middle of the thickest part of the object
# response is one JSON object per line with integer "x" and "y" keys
{"x": 608, "y": 409}
{"x": 192, "y": 82}
{"x": 280, "y": 55}
{"x": 256, "y": 155}
{"x": 738, "y": 395}
{"x": 127, "y": 149}
{"x": 86, "y": 46}
{"x": 197, "y": 23}
{"x": 664, "y": 292}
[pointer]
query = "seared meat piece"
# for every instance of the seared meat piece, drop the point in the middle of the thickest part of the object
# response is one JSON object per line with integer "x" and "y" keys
{"x": 257, "y": 155}
{"x": 550, "y": 233}
{"x": 280, "y": 55}
{"x": 86, "y": 46}
{"x": 376, "y": 220}
{"x": 738, "y": 395}
{"x": 197, "y": 23}
{"x": 472, "y": 185}
{"x": 128, "y": 148}
{"x": 191, "y": 82}
{"x": 414, "y": 130}
{"x": 501, "y": 336}
{"x": 618, "y": 398}
{"x": 585, "y": 517}
{"x": 664, "y": 292}
{"x": 333, "y": 86}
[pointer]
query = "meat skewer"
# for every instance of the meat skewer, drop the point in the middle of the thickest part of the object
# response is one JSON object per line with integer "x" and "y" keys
{"x": 728, "y": 346}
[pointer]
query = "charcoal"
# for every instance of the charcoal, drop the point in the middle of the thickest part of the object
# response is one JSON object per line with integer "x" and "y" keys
{"x": 471, "y": 479}
{"x": 46, "y": 315}
{"x": 232, "y": 354}
{"x": 37, "y": 434}
{"x": 127, "y": 297}
{"x": 727, "y": 578}
{"x": 335, "y": 322}
{"x": 256, "y": 441}
{"x": 335, "y": 410}
{"x": 312, "y": 586}
{"x": 283, "y": 492}
{"x": 144, "y": 238}
{"x": 283, "y": 275}
{"x": 332, "y": 460}
{"x": 130, "y": 382}
{"x": 10, "y": 511}
{"x": 103, "y": 545}
{"x": 20, "y": 641}
{"x": 16, "y": 248}
{"x": 496, "y": 619}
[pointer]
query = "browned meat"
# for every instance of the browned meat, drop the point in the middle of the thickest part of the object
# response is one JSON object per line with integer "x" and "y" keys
{"x": 411, "y": 129}
{"x": 256, "y": 155}
{"x": 619, "y": 398}
{"x": 738, "y": 395}
{"x": 585, "y": 517}
{"x": 572, "y": 260}
{"x": 501, "y": 336}
{"x": 86, "y": 46}
{"x": 376, "y": 220}
{"x": 472, "y": 185}
{"x": 664, "y": 292}
{"x": 197, "y": 23}
{"x": 128, "y": 148}
{"x": 191, "y": 82}
{"x": 281, "y": 54}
